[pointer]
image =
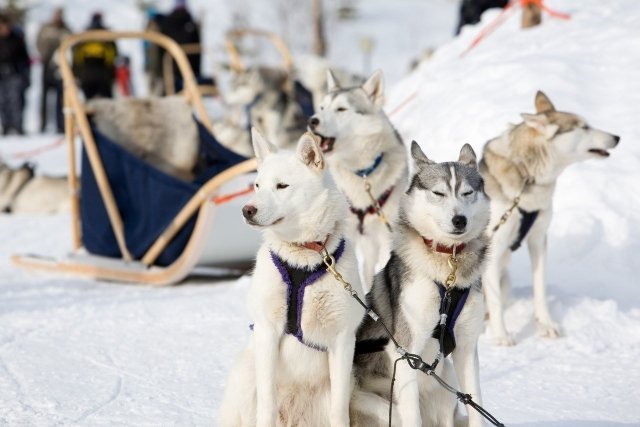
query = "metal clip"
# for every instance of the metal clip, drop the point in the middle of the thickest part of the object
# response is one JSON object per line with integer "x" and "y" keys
{"x": 376, "y": 204}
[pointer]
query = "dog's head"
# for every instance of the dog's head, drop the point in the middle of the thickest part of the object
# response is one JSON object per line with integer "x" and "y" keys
{"x": 446, "y": 201}
{"x": 348, "y": 114}
{"x": 571, "y": 138}
{"x": 292, "y": 198}
{"x": 247, "y": 85}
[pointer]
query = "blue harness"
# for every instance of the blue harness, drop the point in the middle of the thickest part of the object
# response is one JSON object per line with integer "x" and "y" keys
{"x": 363, "y": 173}
{"x": 452, "y": 306}
{"x": 297, "y": 280}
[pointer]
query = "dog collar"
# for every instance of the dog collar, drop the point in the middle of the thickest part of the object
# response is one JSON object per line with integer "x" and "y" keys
{"x": 317, "y": 245}
{"x": 444, "y": 249}
{"x": 363, "y": 173}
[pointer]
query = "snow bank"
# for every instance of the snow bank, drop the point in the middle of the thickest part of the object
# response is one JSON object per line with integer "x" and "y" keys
{"x": 79, "y": 352}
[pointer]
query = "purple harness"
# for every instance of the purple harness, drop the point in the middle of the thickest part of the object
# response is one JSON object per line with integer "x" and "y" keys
{"x": 297, "y": 279}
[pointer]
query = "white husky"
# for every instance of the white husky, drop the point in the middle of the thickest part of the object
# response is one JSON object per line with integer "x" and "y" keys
{"x": 296, "y": 370}
{"x": 524, "y": 164}
{"x": 362, "y": 147}
{"x": 443, "y": 217}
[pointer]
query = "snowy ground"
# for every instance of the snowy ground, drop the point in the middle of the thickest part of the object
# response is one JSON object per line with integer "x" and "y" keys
{"x": 81, "y": 352}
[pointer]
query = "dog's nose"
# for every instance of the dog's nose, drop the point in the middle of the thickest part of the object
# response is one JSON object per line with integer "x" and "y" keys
{"x": 249, "y": 211}
{"x": 313, "y": 122}
{"x": 616, "y": 138}
{"x": 459, "y": 222}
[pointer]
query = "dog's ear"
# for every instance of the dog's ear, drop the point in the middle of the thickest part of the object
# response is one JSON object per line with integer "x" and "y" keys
{"x": 309, "y": 151}
{"x": 418, "y": 155}
{"x": 261, "y": 147}
{"x": 540, "y": 123}
{"x": 543, "y": 104}
{"x": 332, "y": 82}
{"x": 374, "y": 87}
{"x": 468, "y": 156}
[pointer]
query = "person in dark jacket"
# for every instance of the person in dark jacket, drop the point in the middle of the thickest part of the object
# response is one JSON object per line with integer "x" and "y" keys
{"x": 49, "y": 38}
{"x": 472, "y": 10}
{"x": 14, "y": 76}
{"x": 94, "y": 62}
{"x": 180, "y": 26}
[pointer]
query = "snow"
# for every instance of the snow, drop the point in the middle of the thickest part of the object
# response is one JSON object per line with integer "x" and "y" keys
{"x": 76, "y": 351}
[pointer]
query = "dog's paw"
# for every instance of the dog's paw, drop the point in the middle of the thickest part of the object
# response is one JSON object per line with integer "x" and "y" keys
{"x": 504, "y": 341}
{"x": 548, "y": 329}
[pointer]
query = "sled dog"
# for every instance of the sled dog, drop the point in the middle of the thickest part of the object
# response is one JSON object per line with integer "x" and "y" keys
{"x": 443, "y": 214}
{"x": 23, "y": 192}
{"x": 525, "y": 162}
{"x": 297, "y": 368}
{"x": 262, "y": 97}
{"x": 363, "y": 148}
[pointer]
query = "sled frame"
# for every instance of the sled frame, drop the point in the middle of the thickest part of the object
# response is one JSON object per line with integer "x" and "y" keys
{"x": 77, "y": 122}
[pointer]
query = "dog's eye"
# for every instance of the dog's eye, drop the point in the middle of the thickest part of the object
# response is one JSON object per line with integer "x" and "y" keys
{"x": 341, "y": 109}
{"x": 257, "y": 185}
{"x": 437, "y": 193}
{"x": 467, "y": 193}
{"x": 281, "y": 186}
{"x": 585, "y": 126}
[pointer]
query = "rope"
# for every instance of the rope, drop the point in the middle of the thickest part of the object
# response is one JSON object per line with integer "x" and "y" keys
{"x": 226, "y": 198}
{"x": 36, "y": 151}
{"x": 502, "y": 17}
{"x": 414, "y": 360}
{"x": 402, "y": 104}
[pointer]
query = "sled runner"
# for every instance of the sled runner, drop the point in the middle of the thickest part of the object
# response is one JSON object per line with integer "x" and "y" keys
{"x": 131, "y": 221}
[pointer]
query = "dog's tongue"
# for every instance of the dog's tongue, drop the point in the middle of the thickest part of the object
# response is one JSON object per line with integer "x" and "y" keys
{"x": 326, "y": 144}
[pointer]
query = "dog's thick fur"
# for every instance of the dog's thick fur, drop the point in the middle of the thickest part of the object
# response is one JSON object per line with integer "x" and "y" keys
{"x": 265, "y": 96}
{"x": 23, "y": 192}
{"x": 278, "y": 380}
{"x": 160, "y": 131}
{"x": 540, "y": 147}
{"x": 354, "y": 131}
{"x": 406, "y": 296}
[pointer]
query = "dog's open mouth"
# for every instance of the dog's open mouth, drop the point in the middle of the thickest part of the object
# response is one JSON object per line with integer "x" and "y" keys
{"x": 257, "y": 224}
{"x": 599, "y": 152}
{"x": 326, "y": 142}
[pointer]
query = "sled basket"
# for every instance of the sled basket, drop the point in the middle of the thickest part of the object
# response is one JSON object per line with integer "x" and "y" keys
{"x": 132, "y": 222}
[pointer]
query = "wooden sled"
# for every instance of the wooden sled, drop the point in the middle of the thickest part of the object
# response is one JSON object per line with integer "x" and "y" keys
{"x": 219, "y": 237}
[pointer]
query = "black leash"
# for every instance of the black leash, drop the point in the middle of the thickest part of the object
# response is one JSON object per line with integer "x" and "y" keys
{"x": 414, "y": 360}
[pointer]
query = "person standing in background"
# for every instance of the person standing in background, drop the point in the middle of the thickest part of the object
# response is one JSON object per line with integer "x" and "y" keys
{"x": 48, "y": 41}
{"x": 94, "y": 62}
{"x": 180, "y": 26}
{"x": 14, "y": 76}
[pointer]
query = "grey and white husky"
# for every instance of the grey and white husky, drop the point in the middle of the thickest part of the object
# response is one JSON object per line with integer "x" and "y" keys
{"x": 297, "y": 368}
{"x": 359, "y": 142}
{"x": 526, "y": 161}
{"x": 262, "y": 97}
{"x": 443, "y": 214}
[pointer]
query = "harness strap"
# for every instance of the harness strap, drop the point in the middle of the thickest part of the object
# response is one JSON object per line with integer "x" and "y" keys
{"x": 363, "y": 173}
{"x": 297, "y": 279}
{"x": 371, "y": 209}
{"x": 451, "y": 305}
{"x": 527, "y": 219}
